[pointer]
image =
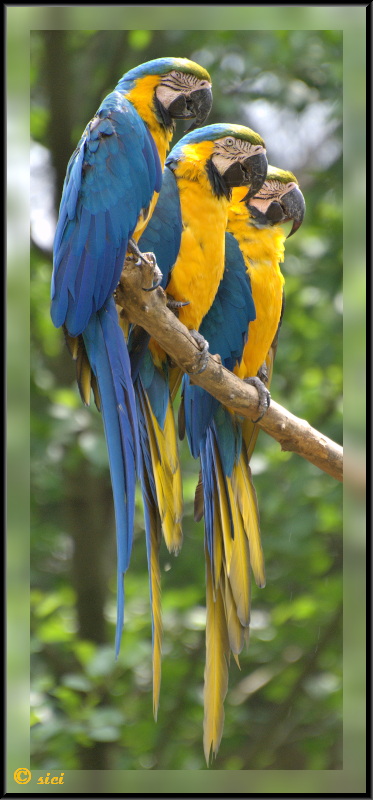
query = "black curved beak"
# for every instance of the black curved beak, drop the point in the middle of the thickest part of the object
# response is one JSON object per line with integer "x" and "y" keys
{"x": 200, "y": 104}
{"x": 252, "y": 173}
{"x": 275, "y": 213}
{"x": 256, "y": 168}
{"x": 294, "y": 207}
{"x": 197, "y": 105}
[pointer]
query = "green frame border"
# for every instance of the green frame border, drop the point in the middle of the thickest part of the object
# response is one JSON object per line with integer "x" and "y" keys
{"x": 19, "y": 22}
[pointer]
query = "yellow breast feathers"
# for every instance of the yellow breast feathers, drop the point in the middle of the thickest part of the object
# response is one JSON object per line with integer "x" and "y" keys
{"x": 200, "y": 264}
{"x": 263, "y": 251}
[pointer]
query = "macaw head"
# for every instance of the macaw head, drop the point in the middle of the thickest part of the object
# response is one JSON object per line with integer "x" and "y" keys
{"x": 279, "y": 200}
{"x": 232, "y": 155}
{"x": 181, "y": 89}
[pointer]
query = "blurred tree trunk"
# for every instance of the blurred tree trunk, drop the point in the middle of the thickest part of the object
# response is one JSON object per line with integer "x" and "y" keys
{"x": 90, "y": 523}
{"x": 59, "y": 97}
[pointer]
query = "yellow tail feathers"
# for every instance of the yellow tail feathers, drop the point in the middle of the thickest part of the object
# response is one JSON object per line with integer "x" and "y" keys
{"x": 167, "y": 475}
{"x": 216, "y": 669}
{"x": 236, "y": 549}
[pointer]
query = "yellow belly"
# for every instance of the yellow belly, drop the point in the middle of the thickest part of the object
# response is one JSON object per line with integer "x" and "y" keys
{"x": 267, "y": 295}
{"x": 200, "y": 264}
{"x": 263, "y": 251}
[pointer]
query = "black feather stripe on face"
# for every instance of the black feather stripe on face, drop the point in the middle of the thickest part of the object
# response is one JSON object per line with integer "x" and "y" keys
{"x": 163, "y": 116}
{"x": 218, "y": 184}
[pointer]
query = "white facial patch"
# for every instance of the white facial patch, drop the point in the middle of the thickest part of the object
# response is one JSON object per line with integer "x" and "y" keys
{"x": 176, "y": 83}
{"x": 270, "y": 192}
{"x": 229, "y": 150}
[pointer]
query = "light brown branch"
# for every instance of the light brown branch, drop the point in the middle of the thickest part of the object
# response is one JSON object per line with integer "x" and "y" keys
{"x": 150, "y": 311}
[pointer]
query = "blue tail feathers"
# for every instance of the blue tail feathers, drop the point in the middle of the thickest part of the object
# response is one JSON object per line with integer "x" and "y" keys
{"x": 109, "y": 360}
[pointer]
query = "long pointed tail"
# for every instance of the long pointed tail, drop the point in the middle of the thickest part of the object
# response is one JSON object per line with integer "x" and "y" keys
{"x": 233, "y": 549}
{"x": 108, "y": 358}
{"x": 160, "y": 442}
{"x": 161, "y": 489}
{"x": 217, "y": 663}
{"x": 153, "y": 542}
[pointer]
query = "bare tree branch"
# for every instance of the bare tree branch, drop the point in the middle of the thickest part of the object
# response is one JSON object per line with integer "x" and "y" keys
{"x": 150, "y": 311}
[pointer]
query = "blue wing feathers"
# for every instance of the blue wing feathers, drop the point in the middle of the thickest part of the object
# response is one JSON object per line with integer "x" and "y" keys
{"x": 111, "y": 177}
{"x": 151, "y": 156}
{"x": 199, "y": 409}
{"x": 208, "y": 492}
{"x": 155, "y": 383}
{"x": 225, "y": 328}
{"x": 162, "y": 235}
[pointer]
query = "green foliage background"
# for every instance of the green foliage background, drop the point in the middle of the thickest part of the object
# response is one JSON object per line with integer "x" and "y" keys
{"x": 284, "y": 708}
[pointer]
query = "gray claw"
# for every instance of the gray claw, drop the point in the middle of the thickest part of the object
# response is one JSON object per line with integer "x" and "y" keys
{"x": 264, "y": 396}
{"x": 263, "y": 373}
{"x": 203, "y": 346}
{"x": 154, "y": 286}
{"x": 149, "y": 260}
{"x": 173, "y": 305}
{"x": 134, "y": 250}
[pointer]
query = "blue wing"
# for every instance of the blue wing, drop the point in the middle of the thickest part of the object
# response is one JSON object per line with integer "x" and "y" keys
{"x": 162, "y": 235}
{"x": 225, "y": 327}
{"x": 111, "y": 177}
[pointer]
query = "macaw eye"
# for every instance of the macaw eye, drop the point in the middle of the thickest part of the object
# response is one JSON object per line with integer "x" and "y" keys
{"x": 229, "y": 141}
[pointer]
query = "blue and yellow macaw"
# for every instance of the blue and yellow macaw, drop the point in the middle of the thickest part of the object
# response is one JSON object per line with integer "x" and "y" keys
{"x": 186, "y": 233}
{"x": 112, "y": 184}
{"x": 241, "y": 327}
{"x": 262, "y": 242}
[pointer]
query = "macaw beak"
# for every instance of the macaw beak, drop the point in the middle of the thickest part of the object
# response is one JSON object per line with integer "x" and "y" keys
{"x": 200, "y": 104}
{"x": 252, "y": 173}
{"x": 197, "y": 105}
{"x": 256, "y": 167}
{"x": 294, "y": 207}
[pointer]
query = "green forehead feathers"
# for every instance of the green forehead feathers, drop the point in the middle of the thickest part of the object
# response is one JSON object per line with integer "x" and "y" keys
{"x": 281, "y": 175}
{"x": 190, "y": 67}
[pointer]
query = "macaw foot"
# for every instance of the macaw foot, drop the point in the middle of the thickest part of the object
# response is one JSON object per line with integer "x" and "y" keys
{"x": 173, "y": 304}
{"x": 263, "y": 373}
{"x": 149, "y": 261}
{"x": 203, "y": 346}
{"x": 264, "y": 396}
{"x": 142, "y": 258}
